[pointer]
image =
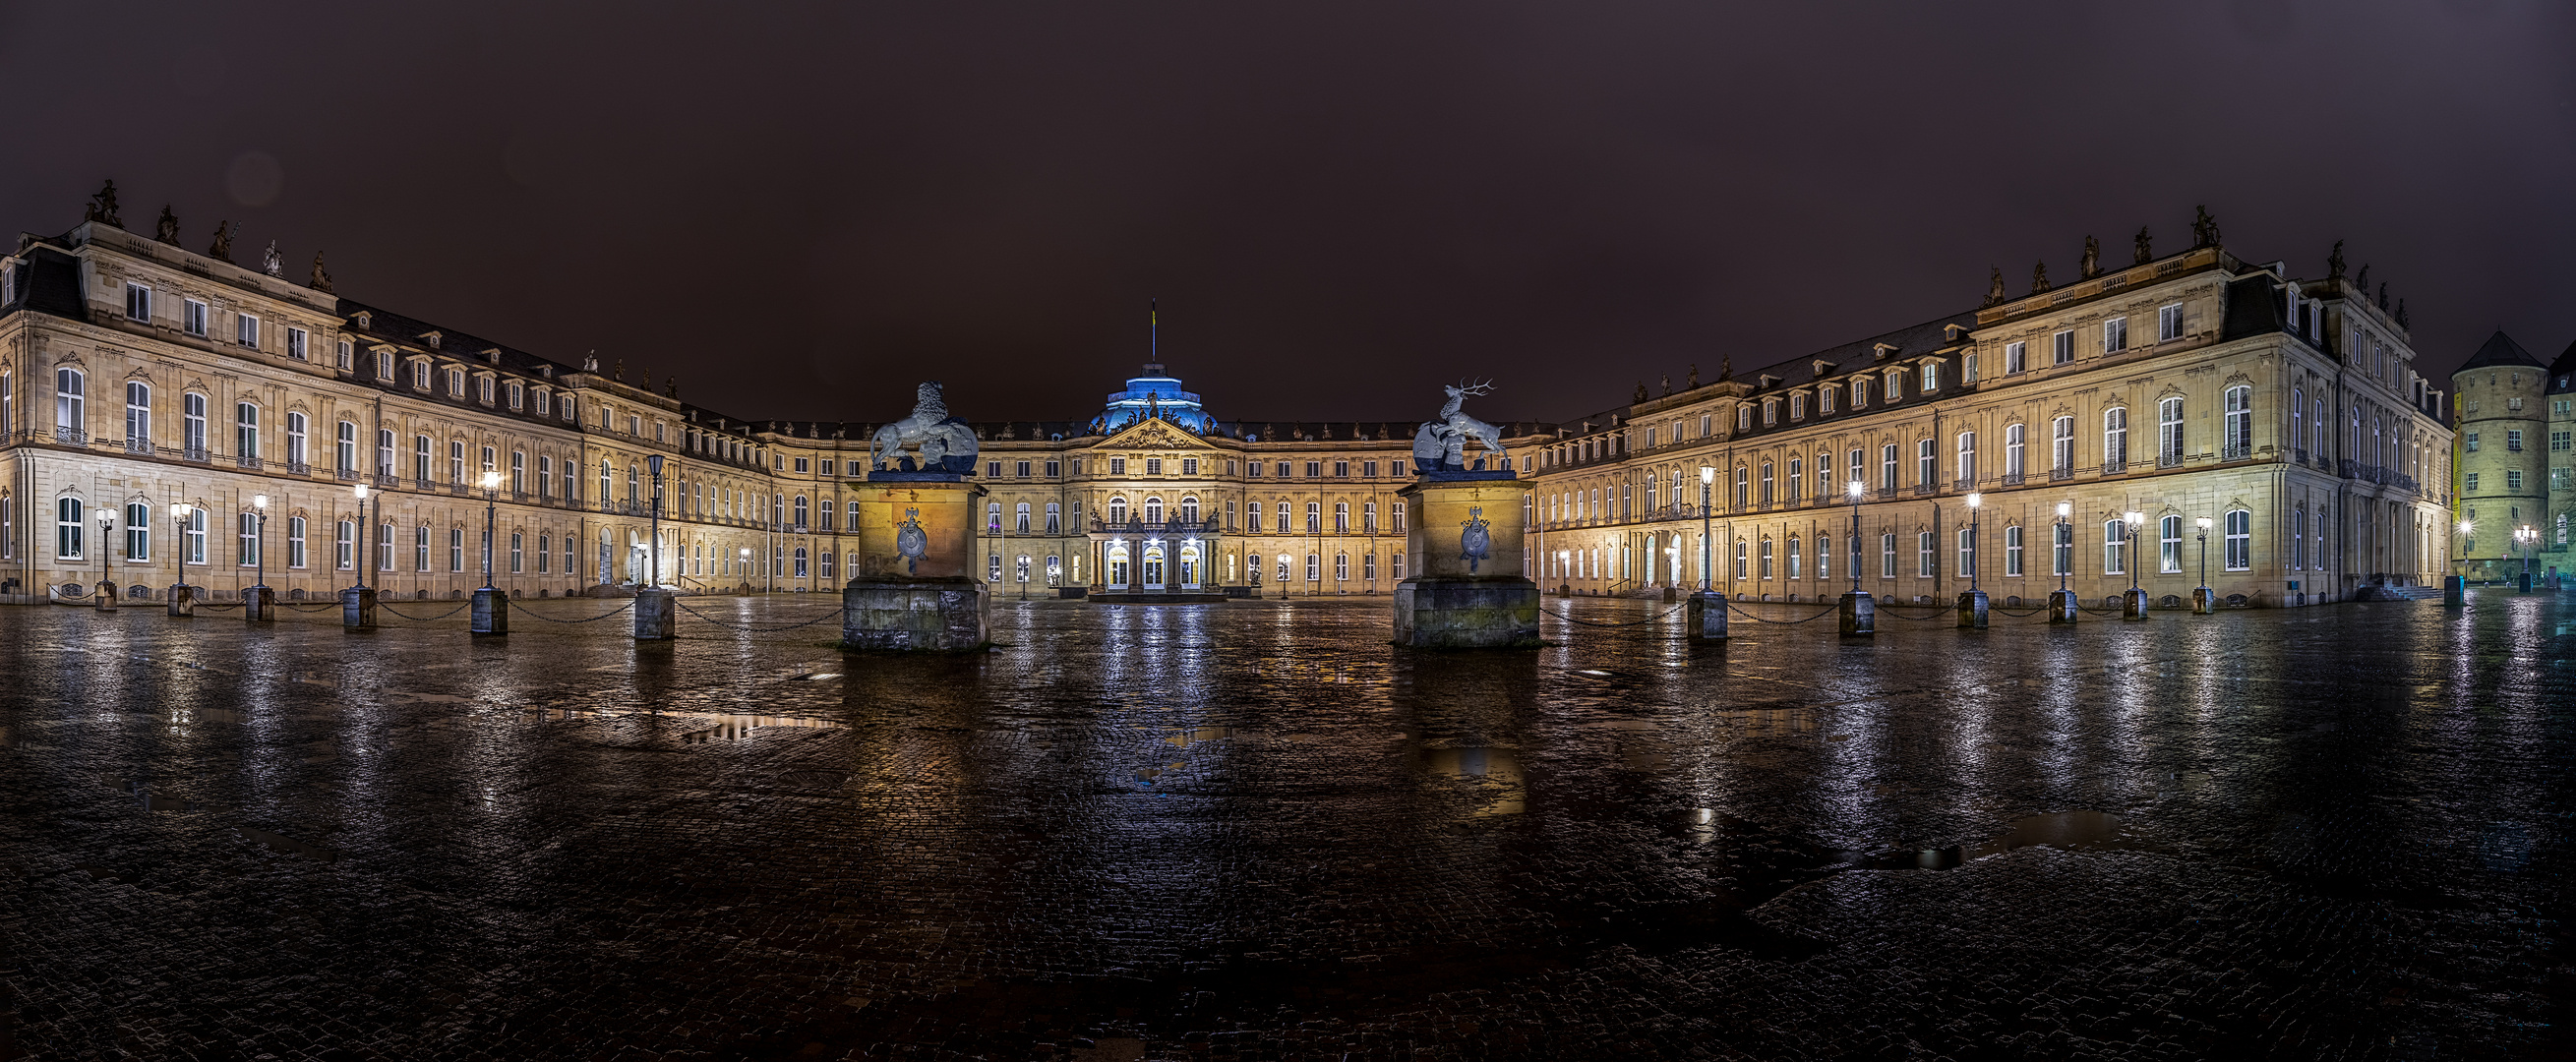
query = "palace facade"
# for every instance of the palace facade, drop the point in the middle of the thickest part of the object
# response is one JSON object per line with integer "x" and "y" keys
{"x": 140, "y": 381}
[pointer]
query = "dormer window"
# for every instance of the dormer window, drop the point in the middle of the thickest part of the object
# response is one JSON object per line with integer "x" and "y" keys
{"x": 1770, "y": 412}
{"x": 420, "y": 375}
{"x": 1825, "y": 401}
{"x": 456, "y": 383}
{"x": 1895, "y": 384}
{"x": 364, "y": 319}
{"x": 545, "y": 399}
{"x": 1931, "y": 377}
{"x": 518, "y": 395}
{"x": 1744, "y": 418}
{"x": 483, "y": 387}
{"x": 430, "y": 338}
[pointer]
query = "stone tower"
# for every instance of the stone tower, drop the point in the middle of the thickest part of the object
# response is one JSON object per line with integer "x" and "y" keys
{"x": 2502, "y": 464}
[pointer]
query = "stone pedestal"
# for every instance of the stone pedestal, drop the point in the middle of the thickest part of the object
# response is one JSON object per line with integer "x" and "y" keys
{"x": 2524, "y": 582}
{"x": 2061, "y": 606}
{"x": 259, "y": 605}
{"x": 1859, "y": 615}
{"x": 1464, "y": 547}
{"x": 1706, "y": 613}
{"x": 491, "y": 611}
{"x": 914, "y": 585}
{"x": 358, "y": 608}
{"x": 2455, "y": 591}
{"x": 2133, "y": 604}
{"x": 653, "y": 615}
{"x": 2204, "y": 601}
{"x": 1972, "y": 610}
{"x": 107, "y": 591}
{"x": 183, "y": 600}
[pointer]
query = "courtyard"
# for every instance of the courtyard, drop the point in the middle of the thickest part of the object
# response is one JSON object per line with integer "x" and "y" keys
{"x": 1256, "y": 830}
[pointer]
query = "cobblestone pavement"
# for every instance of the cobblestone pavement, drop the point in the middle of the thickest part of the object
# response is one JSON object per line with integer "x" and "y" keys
{"x": 1257, "y": 831}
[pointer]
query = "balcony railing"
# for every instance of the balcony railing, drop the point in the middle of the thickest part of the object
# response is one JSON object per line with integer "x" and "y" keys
{"x": 388, "y": 481}
{"x": 2168, "y": 460}
{"x": 2058, "y": 474}
{"x": 2013, "y": 479}
{"x": 1965, "y": 485}
{"x": 2235, "y": 452}
{"x": 1927, "y": 488}
{"x": 1167, "y": 527}
{"x": 2300, "y": 455}
{"x": 349, "y": 475}
{"x": 71, "y": 436}
{"x": 2113, "y": 468}
{"x": 195, "y": 453}
{"x": 139, "y": 447}
{"x": 247, "y": 462}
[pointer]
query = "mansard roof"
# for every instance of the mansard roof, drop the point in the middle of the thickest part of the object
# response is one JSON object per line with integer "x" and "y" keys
{"x": 1866, "y": 355}
{"x": 2501, "y": 350}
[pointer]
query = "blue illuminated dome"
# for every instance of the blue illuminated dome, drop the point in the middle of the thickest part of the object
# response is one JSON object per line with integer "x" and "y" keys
{"x": 1158, "y": 396}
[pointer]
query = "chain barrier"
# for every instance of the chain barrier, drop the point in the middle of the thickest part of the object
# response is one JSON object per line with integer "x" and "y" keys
{"x": 745, "y": 627}
{"x": 1656, "y": 618}
{"x": 210, "y": 604}
{"x": 1730, "y": 606}
{"x": 1890, "y": 610}
{"x": 425, "y": 619}
{"x": 2027, "y": 612}
{"x": 2098, "y": 611}
{"x": 593, "y": 619}
{"x": 311, "y": 608}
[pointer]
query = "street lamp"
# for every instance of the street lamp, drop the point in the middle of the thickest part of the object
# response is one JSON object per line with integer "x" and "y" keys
{"x": 491, "y": 520}
{"x": 2526, "y": 536}
{"x": 2201, "y": 598}
{"x": 106, "y": 586}
{"x": 1854, "y": 490}
{"x": 2134, "y": 604}
{"x": 745, "y": 553}
{"x": 1707, "y": 477}
{"x": 1976, "y": 503}
{"x": 366, "y": 551}
{"x": 1972, "y": 603}
{"x": 654, "y": 462}
{"x": 259, "y": 544}
{"x": 2064, "y": 561}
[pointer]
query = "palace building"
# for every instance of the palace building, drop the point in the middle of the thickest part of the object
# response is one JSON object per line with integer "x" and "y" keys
{"x": 2516, "y": 492}
{"x": 140, "y": 381}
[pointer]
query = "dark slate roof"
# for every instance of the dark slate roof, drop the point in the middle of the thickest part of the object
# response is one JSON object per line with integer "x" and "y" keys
{"x": 49, "y": 283}
{"x": 386, "y": 324}
{"x": 1859, "y": 355}
{"x": 2253, "y": 308}
{"x": 2562, "y": 373}
{"x": 2500, "y": 349}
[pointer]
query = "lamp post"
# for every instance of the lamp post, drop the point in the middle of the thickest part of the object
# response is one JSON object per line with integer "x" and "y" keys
{"x": 358, "y": 603}
{"x": 491, "y": 605}
{"x": 1854, "y": 490}
{"x": 2061, "y": 555}
{"x": 1972, "y": 604}
{"x": 106, "y": 585}
{"x": 256, "y": 601}
{"x": 1706, "y": 610}
{"x": 1860, "y": 614}
{"x": 2526, "y": 536}
{"x": 2133, "y": 605}
{"x": 653, "y": 618}
{"x": 2203, "y": 599}
{"x": 2455, "y": 586}
{"x": 745, "y": 554}
{"x": 654, "y": 462}
{"x": 183, "y": 598}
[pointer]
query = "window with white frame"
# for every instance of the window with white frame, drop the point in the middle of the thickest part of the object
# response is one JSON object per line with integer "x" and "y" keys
{"x": 246, "y": 540}
{"x": 67, "y": 529}
{"x": 1927, "y": 463}
{"x": 295, "y": 542}
{"x": 245, "y": 430}
{"x": 2012, "y": 550}
{"x": 1887, "y": 555}
{"x": 2062, "y": 347}
{"x": 455, "y": 383}
{"x": 246, "y": 330}
{"x": 1887, "y": 467}
{"x": 2013, "y": 465}
{"x": 2061, "y": 559}
{"x": 1967, "y": 457}
{"x": 2115, "y": 438}
{"x": 420, "y": 375}
{"x": 344, "y": 545}
{"x": 345, "y": 449}
{"x": 2115, "y": 335}
{"x": 138, "y": 414}
{"x": 2240, "y": 540}
{"x": 2239, "y": 439}
{"x": 192, "y": 317}
{"x": 295, "y": 345}
{"x": 2169, "y": 431}
{"x": 1931, "y": 377}
{"x": 1965, "y": 539}
{"x": 2169, "y": 322}
{"x": 296, "y": 452}
{"x": 2169, "y": 545}
{"x": 138, "y": 302}
{"x": 2016, "y": 357}
{"x": 1927, "y": 554}
{"x": 347, "y": 359}
{"x": 2115, "y": 542}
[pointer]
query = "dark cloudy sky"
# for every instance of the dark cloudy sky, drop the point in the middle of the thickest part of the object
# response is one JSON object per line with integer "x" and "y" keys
{"x": 800, "y": 211}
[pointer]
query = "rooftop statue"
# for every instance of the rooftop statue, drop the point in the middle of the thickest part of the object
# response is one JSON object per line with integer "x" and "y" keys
{"x": 945, "y": 442}
{"x": 2146, "y": 250}
{"x": 272, "y": 263}
{"x": 321, "y": 276}
{"x": 2092, "y": 265}
{"x": 1995, "y": 286}
{"x": 1441, "y": 445}
{"x": 167, "y": 229}
{"x": 102, "y": 207}
{"x": 222, "y": 249}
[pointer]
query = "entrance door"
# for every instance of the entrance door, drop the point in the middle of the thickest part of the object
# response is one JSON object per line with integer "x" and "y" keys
{"x": 1118, "y": 567}
{"x": 1189, "y": 567}
{"x": 1153, "y": 567}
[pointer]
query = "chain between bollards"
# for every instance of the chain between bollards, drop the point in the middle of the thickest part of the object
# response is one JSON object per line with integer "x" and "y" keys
{"x": 1656, "y": 618}
{"x": 419, "y": 619}
{"x": 588, "y": 619}
{"x": 675, "y": 603}
{"x": 1830, "y": 610}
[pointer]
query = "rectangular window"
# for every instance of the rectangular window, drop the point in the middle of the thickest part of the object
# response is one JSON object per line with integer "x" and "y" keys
{"x": 192, "y": 317}
{"x": 347, "y": 357}
{"x": 2513, "y": 440}
{"x": 2169, "y": 431}
{"x": 2513, "y": 479}
{"x": 2472, "y": 480}
{"x": 138, "y": 302}
{"x": 295, "y": 542}
{"x": 246, "y": 331}
{"x": 1118, "y": 466}
{"x": 2016, "y": 357}
{"x": 1314, "y": 470}
{"x": 2063, "y": 347}
{"x": 138, "y": 532}
{"x": 420, "y": 548}
{"x": 295, "y": 344}
{"x": 1887, "y": 467}
{"x": 2470, "y": 443}
{"x": 2012, "y": 550}
{"x": 2115, "y": 543}
{"x": 1927, "y": 556}
{"x": 246, "y": 551}
{"x": 195, "y": 545}
{"x": 2240, "y": 540}
{"x": 2169, "y": 545}
{"x": 1887, "y": 556}
{"x": 2169, "y": 322}
{"x": 2061, "y": 559}
{"x": 517, "y": 553}
{"x": 2115, "y": 335}
{"x": 1927, "y": 463}
{"x": 455, "y": 549}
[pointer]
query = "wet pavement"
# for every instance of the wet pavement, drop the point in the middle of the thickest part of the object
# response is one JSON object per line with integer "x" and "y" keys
{"x": 1256, "y": 831}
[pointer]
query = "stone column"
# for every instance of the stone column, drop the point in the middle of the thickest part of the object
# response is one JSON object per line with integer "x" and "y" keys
{"x": 933, "y": 600}
{"x": 358, "y": 608}
{"x": 1452, "y": 600}
{"x": 653, "y": 615}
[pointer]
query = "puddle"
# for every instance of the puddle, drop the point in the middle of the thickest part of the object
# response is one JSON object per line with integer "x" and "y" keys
{"x": 277, "y": 842}
{"x": 2072, "y": 830}
{"x": 1771, "y": 722}
{"x": 1499, "y": 768}
{"x": 1594, "y": 673}
{"x": 738, "y": 727}
{"x": 1187, "y": 738}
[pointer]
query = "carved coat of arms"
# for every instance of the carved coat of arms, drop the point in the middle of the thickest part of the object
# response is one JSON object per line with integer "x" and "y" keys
{"x": 1475, "y": 542}
{"x": 910, "y": 541}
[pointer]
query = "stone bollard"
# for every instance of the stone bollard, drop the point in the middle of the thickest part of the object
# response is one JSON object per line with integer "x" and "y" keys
{"x": 653, "y": 614}
{"x": 259, "y": 605}
{"x": 2133, "y": 604}
{"x": 183, "y": 600}
{"x": 1706, "y": 614}
{"x": 2061, "y": 606}
{"x": 1859, "y": 615}
{"x": 2455, "y": 591}
{"x": 491, "y": 611}
{"x": 2525, "y": 582}
{"x": 358, "y": 608}
{"x": 2204, "y": 601}
{"x": 1972, "y": 610}
{"x": 107, "y": 595}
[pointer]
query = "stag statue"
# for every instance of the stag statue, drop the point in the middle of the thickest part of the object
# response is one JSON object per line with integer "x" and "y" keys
{"x": 946, "y": 443}
{"x": 1442, "y": 444}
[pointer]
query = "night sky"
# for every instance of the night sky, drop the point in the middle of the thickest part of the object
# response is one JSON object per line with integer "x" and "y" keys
{"x": 801, "y": 212}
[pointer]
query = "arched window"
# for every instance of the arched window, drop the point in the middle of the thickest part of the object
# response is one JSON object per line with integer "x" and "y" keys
{"x": 1118, "y": 511}
{"x": 800, "y": 562}
{"x": 2014, "y": 467}
{"x": 2115, "y": 542}
{"x": 2061, "y": 446}
{"x": 2012, "y": 550}
{"x": 2115, "y": 439}
{"x": 1740, "y": 548}
{"x": 138, "y": 417}
{"x": 67, "y": 528}
{"x": 2169, "y": 432}
{"x": 1189, "y": 510}
{"x": 1154, "y": 510}
{"x": 803, "y": 510}
{"x": 1967, "y": 457}
{"x": 246, "y": 431}
{"x": 1766, "y": 557}
{"x": 1742, "y": 492}
{"x": 71, "y": 390}
{"x": 1766, "y": 498}
{"x": 1824, "y": 556}
{"x": 346, "y": 452}
{"x": 2240, "y": 540}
